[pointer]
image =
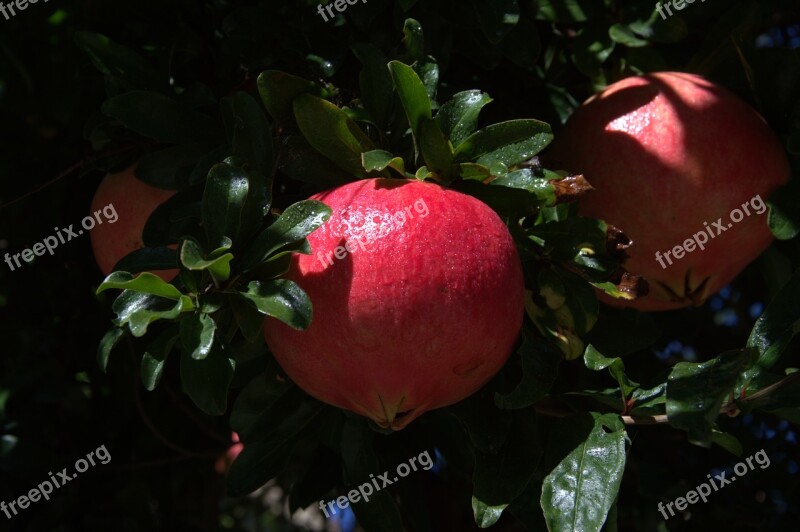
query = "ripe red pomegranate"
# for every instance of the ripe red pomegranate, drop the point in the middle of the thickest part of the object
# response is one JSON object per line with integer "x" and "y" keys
{"x": 133, "y": 201}
{"x": 418, "y": 299}
{"x": 672, "y": 156}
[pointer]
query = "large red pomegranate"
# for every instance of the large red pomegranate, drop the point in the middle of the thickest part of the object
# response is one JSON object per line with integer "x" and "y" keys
{"x": 418, "y": 300}
{"x": 133, "y": 201}
{"x": 675, "y": 160}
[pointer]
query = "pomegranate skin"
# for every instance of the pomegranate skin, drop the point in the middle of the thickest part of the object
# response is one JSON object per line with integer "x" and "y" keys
{"x": 421, "y": 312}
{"x": 667, "y": 152}
{"x": 134, "y": 201}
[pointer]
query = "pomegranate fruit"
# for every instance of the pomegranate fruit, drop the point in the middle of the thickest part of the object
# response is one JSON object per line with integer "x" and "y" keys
{"x": 672, "y": 156}
{"x": 134, "y": 201}
{"x": 418, "y": 299}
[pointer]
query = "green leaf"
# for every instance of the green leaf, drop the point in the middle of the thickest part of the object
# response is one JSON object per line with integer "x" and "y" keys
{"x": 138, "y": 310}
{"x": 497, "y": 18}
{"x": 218, "y": 263}
{"x": 279, "y": 89}
{"x": 115, "y": 60}
{"x": 775, "y": 329}
{"x": 784, "y": 216}
{"x": 144, "y": 282}
{"x": 568, "y": 10}
{"x": 359, "y": 464}
{"x": 727, "y": 442}
{"x": 303, "y": 163}
{"x": 224, "y": 199}
{"x": 499, "y": 478}
{"x": 206, "y": 380}
{"x": 107, "y": 344}
{"x": 379, "y": 160}
{"x": 624, "y": 35}
{"x": 249, "y": 133}
{"x": 436, "y": 150}
{"x": 375, "y": 82}
{"x": 170, "y": 168}
{"x": 281, "y": 299}
{"x": 540, "y": 362}
{"x": 265, "y": 458}
{"x": 197, "y": 334}
{"x": 428, "y": 71}
{"x": 542, "y": 190}
{"x": 155, "y": 358}
{"x": 413, "y": 38}
{"x": 294, "y": 225}
{"x": 260, "y": 394}
{"x": 580, "y": 490}
{"x": 458, "y": 118}
{"x": 508, "y": 142}
{"x": 249, "y": 319}
{"x": 148, "y": 260}
{"x": 597, "y": 362}
{"x": 695, "y": 392}
{"x": 161, "y": 118}
{"x": 413, "y": 96}
{"x": 332, "y": 133}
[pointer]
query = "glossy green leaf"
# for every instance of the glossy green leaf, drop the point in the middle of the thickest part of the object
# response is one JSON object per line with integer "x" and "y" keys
{"x": 543, "y": 190}
{"x": 138, "y": 310}
{"x": 206, "y": 380}
{"x": 279, "y": 89}
{"x": 155, "y": 358}
{"x": 303, "y": 163}
{"x": 695, "y": 392}
{"x": 413, "y": 96}
{"x": 458, "y": 118}
{"x": 580, "y": 490}
{"x": 436, "y": 150}
{"x": 294, "y": 225}
{"x": 497, "y": 18}
{"x": 332, "y": 133}
{"x": 197, "y": 333}
{"x": 500, "y": 477}
{"x": 144, "y": 282}
{"x": 281, "y": 299}
{"x": 194, "y": 258}
{"x": 161, "y": 118}
{"x": 413, "y": 38}
{"x": 107, "y": 344}
{"x": 775, "y": 328}
{"x": 508, "y": 142}
{"x": 224, "y": 200}
{"x": 597, "y": 362}
{"x": 540, "y": 362}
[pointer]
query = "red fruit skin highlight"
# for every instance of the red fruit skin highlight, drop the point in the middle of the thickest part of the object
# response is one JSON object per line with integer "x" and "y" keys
{"x": 665, "y": 153}
{"x": 420, "y": 316}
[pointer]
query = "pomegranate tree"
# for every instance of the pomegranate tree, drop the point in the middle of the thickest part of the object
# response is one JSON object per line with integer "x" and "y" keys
{"x": 672, "y": 156}
{"x": 418, "y": 300}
